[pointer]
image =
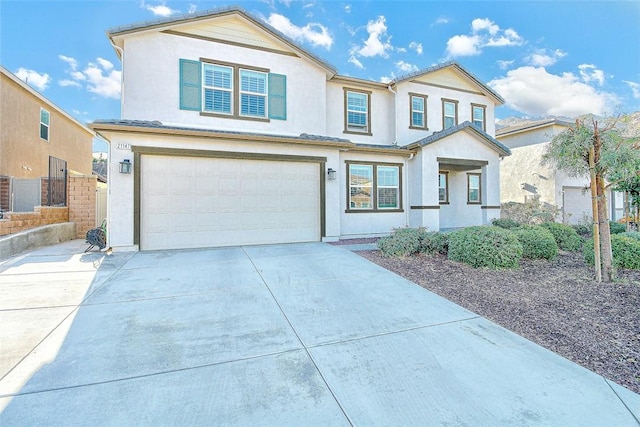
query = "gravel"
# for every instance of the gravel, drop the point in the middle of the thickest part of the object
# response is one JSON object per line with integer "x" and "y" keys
{"x": 555, "y": 304}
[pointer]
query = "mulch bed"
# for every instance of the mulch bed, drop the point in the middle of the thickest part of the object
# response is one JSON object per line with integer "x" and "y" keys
{"x": 556, "y": 304}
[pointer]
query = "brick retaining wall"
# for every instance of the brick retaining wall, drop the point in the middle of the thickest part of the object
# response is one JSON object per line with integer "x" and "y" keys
{"x": 42, "y": 215}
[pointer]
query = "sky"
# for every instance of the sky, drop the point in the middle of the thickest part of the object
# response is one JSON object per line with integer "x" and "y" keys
{"x": 545, "y": 58}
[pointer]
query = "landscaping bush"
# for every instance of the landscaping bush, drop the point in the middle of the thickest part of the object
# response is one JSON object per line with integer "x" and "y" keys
{"x": 506, "y": 223}
{"x": 481, "y": 246}
{"x": 617, "y": 228}
{"x": 531, "y": 212}
{"x": 402, "y": 242}
{"x": 565, "y": 236}
{"x": 631, "y": 234}
{"x": 626, "y": 251}
{"x": 434, "y": 242}
{"x": 582, "y": 229}
{"x": 537, "y": 242}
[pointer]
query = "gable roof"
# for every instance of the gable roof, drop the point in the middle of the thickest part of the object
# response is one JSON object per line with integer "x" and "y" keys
{"x": 459, "y": 69}
{"x": 41, "y": 97}
{"x": 463, "y": 127}
{"x": 175, "y": 20}
{"x": 538, "y": 124}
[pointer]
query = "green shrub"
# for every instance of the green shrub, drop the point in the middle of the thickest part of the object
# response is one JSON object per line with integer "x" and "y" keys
{"x": 537, "y": 242}
{"x": 631, "y": 234}
{"x": 565, "y": 236}
{"x": 402, "y": 242}
{"x": 489, "y": 247}
{"x": 506, "y": 223}
{"x": 531, "y": 212}
{"x": 617, "y": 228}
{"x": 626, "y": 251}
{"x": 582, "y": 229}
{"x": 434, "y": 242}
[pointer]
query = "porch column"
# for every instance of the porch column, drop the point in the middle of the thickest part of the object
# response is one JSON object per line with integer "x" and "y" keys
{"x": 490, "y": 184}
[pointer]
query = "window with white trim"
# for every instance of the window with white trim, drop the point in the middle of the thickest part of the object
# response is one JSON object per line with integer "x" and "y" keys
{"x": 360, "y": 186}
{"x": 234, "y": 91}
{"x": 253, "y": 93}
{"x": 44, "y": 124}
{"x": 357, "y": 117}
{"x": 374, "y": 187}
{"x": 418, "y": 106}
{"x": 473, "y": 188}
{"x": 449, "y": 113}
{"x": 443, "y": 187}
{"x": 478, "y": 116}
{"x": 217, "y": 89}
{"x": 388, "y": 185}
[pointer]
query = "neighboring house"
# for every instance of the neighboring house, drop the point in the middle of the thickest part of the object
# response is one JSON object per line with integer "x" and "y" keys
{"x": 39, "y": 145}
{"x": 237, "y": 135}
{"x": 523, "y": 177}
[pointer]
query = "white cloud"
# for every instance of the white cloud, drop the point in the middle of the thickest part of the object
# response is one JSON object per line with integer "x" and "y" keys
{"x": 635, "y": 88}
{"x": 378, "y": 43}
{"x": 192, "y": 8}
{"x": 462, "y": 45}
{"x": 100, "y": 77}
{"x": 484, "y": 24}
{"x": 316, "y": 34}
{"x": 160, "y": 9}
{"x": 37, "y": 80}
{"x": 442, "y": 20}
{"x": 484, "y": 33}
{"x": 73, "y": 64}
{"x": 347, "y": 9}
{"x": 590, "y": 73}
{"x": 505, "y": 64}
{"x": 67, "y": 82}
{"x": 406, "y": 67}
{"x": 353, "y": 60}
{"x": 536, "y": 92}
{"x": 541, "y": 58}
{"x": 416, "y": 46}
{"x": 387, "y": 79}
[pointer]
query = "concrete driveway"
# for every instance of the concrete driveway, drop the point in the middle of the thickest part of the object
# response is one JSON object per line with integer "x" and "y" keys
{"x": 302, "y": 334}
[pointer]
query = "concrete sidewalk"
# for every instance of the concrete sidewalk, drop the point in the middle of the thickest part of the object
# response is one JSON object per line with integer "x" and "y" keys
{"x": 303, "y": 334}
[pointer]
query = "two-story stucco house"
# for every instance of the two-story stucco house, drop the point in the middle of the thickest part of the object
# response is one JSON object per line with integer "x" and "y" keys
{"x": 237, "y": 135}
{"x": 524, "y": 177}
{"x": 37, "y": 139}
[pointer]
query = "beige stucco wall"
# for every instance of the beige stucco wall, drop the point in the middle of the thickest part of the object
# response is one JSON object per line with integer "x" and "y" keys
{"x": 524, "y": 169}
{"x": 22, "y": 153}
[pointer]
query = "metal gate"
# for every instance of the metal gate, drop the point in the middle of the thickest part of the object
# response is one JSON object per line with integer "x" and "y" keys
{"x": 25, "y": 194}
{"x": 57, "y": 184}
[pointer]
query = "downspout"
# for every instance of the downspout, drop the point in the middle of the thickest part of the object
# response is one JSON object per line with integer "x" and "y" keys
{"x": 119, "y": 49}
{"x": 395, "y": 111}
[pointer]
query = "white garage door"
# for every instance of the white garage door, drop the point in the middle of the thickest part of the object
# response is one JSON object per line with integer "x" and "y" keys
{"x": 190, "y": 202}
{"x": 577, "y": 204}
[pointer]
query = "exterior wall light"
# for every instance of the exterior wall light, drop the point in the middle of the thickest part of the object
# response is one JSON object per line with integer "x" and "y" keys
{"x": 331, "y": 174}
{"x": 125, "y": 166}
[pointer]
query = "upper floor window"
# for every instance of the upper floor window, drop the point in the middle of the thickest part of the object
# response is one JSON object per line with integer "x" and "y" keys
{"x": 232, "y": 90}
{"x": 44, "y": 124}
{"x": 449, "y": 113}
{"x": 357, "y": 107}
{"x": 418, "y": 106}
{"x": 473, "y": 188}
{"x": 253, "y": 93}
{"x": 218, "y": 88}
{"x": 478, "y": 116}
{"x": 443, "y": 187}
{"x": 374, "y": 187}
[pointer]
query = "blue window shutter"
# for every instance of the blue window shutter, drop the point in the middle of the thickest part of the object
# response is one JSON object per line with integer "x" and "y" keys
{"x": 190, "y": 85}
{"x": 277, "y": 96}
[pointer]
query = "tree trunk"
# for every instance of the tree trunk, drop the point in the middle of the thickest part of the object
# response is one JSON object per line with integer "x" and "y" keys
{"x": 608, "y": 272}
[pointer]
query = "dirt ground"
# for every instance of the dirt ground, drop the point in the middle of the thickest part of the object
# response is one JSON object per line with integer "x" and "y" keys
{"x": 555, "y": 304}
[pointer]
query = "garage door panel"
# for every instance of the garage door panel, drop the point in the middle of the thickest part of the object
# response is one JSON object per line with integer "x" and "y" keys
{"x": 202, "y": 202}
